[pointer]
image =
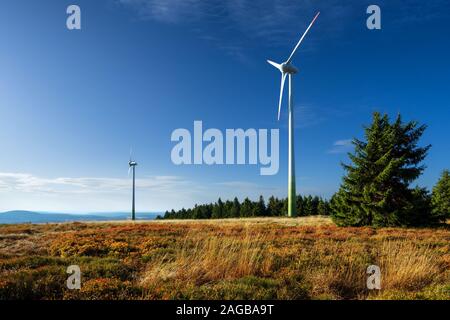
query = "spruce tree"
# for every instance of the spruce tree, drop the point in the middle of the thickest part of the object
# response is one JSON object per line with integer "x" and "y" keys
{"x": 284, "y": 207}
{"x": 218, "y": 210}
{"x": 315, "y": 205}
{"x": 235, "y": 208}
{"x": 299, "y": 204}
{"x": 308, "y": 205}
{"x": 259, "y": 209}
{"x": 273, "y": 206}
{"x": 375, "y": 190}
{"x": 246, "y": 208}
{"x": 323, "y": 207}
{"x": 227, "y": 209}
{"x": 183, "y": 213}
{"x": 441, "y": 197}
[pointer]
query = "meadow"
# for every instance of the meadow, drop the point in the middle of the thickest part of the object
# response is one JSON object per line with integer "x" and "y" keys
{"x": 254, "y": 258}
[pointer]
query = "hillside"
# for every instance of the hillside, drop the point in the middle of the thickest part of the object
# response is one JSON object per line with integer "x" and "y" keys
{"x": 263, "y": 258}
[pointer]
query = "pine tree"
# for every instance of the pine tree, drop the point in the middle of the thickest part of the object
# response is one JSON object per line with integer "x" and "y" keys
{"x": 375, "y": 190}
{"x": 419, "y": 210}
{"x": 441, "y": 197}
{"x": 299, "y": 204}
{"x": 308, "y": 205}
{"x": 323, "y": 207}
{"x": 246, "y": 208}
{"x": 208, "y": 210}
{"x": 196, "y": 213}
{"x": 275, "y": 207}
{"x": 259, "y": 209}
{"x": 284, "y": 207}
{"x": 218, "y": 210}
{"x": 235, "y": 208}
{"x": 227, "y": 209}
{"x": 315, "y": 205}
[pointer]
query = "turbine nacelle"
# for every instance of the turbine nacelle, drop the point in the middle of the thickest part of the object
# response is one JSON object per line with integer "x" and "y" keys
{"x": 285, "y": 68}
{"x": 288, "y": 68}
{"x": 132, "y": 163}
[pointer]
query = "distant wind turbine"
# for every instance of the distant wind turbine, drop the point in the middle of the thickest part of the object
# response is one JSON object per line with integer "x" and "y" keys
{"x": 132, "y": 166}
{"x": 287, "y": 69}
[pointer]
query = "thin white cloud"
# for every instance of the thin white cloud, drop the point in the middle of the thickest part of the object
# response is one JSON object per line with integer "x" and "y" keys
{"x": 341, "y": 146}
{"x": 30, "y": 183}
{"x": 77, "y": 194}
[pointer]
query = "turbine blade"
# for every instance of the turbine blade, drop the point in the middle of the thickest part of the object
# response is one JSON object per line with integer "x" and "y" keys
{"x": 283, "y": 78}
{"x": 131, "y": 152}
{"x": 129, "y": 169}
{"x": 301, "y": 39}
{"x": 276, "y": 65}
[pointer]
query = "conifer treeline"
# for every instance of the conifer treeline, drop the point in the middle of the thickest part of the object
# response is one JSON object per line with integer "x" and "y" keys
{"x": 306, "y": 206}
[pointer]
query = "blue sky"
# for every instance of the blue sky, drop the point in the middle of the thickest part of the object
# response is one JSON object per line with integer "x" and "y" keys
{"x": 72, "y": 103}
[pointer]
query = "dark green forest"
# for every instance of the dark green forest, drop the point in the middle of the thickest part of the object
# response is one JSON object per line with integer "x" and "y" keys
{"x": 306, "y": 206}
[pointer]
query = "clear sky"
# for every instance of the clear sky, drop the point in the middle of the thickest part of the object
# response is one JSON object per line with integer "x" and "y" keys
{"x": 72, "y": 103}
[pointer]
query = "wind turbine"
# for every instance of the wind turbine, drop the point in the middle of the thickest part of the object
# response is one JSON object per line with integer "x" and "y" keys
{"x": 132, "y": 166}
{"x": 287, "y": 69}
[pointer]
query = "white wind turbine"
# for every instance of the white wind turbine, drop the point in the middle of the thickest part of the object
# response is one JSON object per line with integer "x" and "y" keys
{"x": 132, "y": 166}
{"x": 287, "y": 69}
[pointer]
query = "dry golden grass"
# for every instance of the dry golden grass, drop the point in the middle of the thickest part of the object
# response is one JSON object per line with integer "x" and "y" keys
{"x": 269, "y": 258}
{"x": 200, "y": 260}
{"x": 405, "y": 265}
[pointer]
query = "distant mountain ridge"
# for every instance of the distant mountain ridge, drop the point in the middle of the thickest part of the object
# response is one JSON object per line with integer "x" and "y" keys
{"x": 23, "y": 216}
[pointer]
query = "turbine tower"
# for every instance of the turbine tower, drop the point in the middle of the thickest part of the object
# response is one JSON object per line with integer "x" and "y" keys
{"x": 132, "y": 166}
{"x": 288, "y": 69}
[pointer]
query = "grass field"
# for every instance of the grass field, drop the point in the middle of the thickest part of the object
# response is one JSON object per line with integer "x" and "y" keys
{"x": 264, "y": 258}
